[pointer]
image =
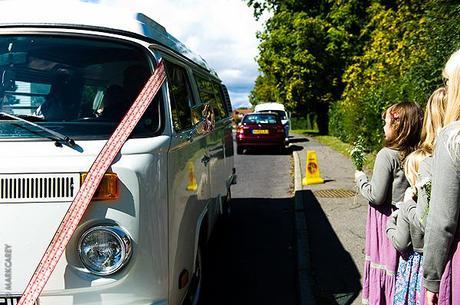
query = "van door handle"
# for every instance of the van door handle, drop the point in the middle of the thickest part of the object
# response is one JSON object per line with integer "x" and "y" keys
{"x": 205, "y": 160}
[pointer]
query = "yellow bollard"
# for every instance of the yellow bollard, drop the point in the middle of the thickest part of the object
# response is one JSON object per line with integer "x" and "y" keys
{"x": 192, "y": 186}
{"x": 312, "y": 174}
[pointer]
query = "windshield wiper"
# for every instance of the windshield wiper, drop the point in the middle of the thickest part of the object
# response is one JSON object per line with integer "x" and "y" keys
{"x": 58, "y": 137}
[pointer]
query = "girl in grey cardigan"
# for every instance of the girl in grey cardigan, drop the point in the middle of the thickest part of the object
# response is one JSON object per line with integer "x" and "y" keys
{"x": 402, "y": 134}
{"x": 406, "y": 227}
{"x": 406, "y": 235}
{"x": 441, "y": 249}
{"x": 407, "y": 238}
{"x": 441, "y": 266}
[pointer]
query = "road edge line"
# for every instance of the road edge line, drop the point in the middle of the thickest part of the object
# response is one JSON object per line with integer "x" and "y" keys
{"x": 305, "y": 283}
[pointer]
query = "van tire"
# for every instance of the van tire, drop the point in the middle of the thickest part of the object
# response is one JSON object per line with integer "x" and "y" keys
{"x": 227, "y": 205}
{"x": 239, "y": 150}
{"x": 196, "y": 282}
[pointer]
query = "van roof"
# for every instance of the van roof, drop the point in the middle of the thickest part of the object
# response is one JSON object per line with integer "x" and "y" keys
{"x": 269, "y": 106}
{"x": 92, "y": 16}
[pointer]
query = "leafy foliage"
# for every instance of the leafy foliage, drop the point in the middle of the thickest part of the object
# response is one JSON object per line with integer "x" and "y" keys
{"x": 347, "y": 60}
{"x": 304, "y": 50}
{"x": 402, "y": 59}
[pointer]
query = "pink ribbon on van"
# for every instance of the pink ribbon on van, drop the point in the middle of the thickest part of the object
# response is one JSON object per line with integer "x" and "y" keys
{"x": 84, "y": 195}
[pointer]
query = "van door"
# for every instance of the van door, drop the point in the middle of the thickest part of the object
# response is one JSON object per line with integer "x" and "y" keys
{"x": 188, "y": 178}
{"x": 229, "y": 150}
{"x": 209, "y": 91}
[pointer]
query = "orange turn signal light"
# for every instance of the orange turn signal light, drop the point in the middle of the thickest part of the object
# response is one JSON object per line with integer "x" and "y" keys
{"x": 108, "y": 188}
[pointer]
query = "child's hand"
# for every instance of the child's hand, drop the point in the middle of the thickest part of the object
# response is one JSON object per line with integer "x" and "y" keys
{"x": 409, "y": 194}
{"x": 358, "y": 174}
{"x": 391, "y": 222}
{"x": 394, "y": 214}
{"x": 431, "y": 297}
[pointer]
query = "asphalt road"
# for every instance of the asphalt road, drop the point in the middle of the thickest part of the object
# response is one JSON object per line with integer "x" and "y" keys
{"x": 251, "y": 257}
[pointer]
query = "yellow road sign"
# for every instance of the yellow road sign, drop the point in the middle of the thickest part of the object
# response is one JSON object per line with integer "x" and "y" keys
{"x": 312, "y": 174}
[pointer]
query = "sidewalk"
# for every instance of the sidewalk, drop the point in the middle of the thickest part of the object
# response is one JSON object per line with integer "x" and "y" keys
{"x": 331, "y": 255}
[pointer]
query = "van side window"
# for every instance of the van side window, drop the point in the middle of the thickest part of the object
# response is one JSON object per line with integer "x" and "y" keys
{"x": 228, "y": 103}
{"x": 209, "y": 94}
{"x": 205, "y": 89}
{"x": 220, "y": 101}
{"x": 180, "y": 95}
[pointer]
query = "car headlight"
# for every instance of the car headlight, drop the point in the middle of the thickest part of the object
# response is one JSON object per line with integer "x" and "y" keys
{"x": 104, "y": 250}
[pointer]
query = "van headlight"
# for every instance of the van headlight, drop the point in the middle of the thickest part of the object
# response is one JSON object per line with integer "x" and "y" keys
{"x": 104, "y": 250}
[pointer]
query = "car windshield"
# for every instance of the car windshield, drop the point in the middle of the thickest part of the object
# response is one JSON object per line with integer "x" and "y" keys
{"x": 261, "y": 119}
{"x": 79, "y": 87}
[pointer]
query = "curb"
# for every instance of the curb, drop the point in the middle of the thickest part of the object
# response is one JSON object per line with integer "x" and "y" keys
{"x": 304, "y": 280}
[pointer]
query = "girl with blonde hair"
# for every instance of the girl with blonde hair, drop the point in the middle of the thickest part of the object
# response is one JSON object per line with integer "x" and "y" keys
{"x": 441, "y": 266}
{"x": 405, "y": 228}
{"x": 402, "y": 134}
{"x": 434, "y": 119}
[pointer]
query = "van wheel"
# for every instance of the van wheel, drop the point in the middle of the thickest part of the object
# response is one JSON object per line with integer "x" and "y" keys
{"x": 227, "y": 205}
{"x": 196, "y": 283}
{"x": 239, "y": 150}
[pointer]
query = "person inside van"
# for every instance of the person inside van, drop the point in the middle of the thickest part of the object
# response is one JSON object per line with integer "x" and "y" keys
{"x": 134, "y": 79}
{"x": 63, "y": 100}
{"x": 115, "y": 104}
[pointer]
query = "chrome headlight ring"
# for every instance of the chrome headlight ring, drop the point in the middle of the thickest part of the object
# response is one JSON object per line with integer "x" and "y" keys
{"x": 104, "y": 250}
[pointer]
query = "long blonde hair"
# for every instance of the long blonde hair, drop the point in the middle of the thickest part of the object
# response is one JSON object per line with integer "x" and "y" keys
{"x": 412, "y": 165}
{"x": 452, "y": 73}
{"x": 433, "y": 120}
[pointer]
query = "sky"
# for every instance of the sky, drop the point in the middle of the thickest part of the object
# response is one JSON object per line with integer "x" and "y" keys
{"x": 223, "y": 32}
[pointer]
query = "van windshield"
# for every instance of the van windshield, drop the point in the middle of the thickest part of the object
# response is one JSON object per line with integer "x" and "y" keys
{"x": 79, "y": 87}
{"x": 281, "y": 113}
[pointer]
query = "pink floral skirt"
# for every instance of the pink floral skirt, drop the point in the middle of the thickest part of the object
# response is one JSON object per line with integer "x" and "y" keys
{"x": 381, "y": 259}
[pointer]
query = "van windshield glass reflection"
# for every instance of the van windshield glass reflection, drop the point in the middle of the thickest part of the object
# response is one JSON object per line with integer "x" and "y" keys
{"x": 79, "y": 87}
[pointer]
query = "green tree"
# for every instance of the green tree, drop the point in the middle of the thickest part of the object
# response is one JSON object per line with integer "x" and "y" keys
{"x": 312, "y": 7}
{"x": 353, "y": 57}
{"x": 406, "y": 48}
{"x": 264, "y": 90}
{"x": 303, "y": 52}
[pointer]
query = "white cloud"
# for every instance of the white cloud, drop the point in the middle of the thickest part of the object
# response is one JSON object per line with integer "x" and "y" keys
{"x": 239, "y": 99}
{"x": 223, "y": 32}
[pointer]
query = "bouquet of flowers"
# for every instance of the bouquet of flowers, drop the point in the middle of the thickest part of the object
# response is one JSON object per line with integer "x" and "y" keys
{"x": 427, "y": 189}
{"x": 357, "y": 153}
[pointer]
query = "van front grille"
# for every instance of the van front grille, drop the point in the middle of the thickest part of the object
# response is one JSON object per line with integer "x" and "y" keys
{"x": 38, "y": 187}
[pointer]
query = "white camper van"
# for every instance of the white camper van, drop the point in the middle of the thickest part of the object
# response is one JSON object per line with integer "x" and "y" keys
{"x": 276, "y": 108}
{"x": 68, "y": 75}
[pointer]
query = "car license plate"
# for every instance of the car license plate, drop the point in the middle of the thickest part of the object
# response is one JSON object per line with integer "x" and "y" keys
{"x": 10, "y": 300}
{"x": 260, "y": 131}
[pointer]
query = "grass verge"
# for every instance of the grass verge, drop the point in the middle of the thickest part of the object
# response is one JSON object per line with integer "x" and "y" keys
{"x": 344, "y": 149}
{"x": 336, "y": 144}
{"x": 305, "y": 131}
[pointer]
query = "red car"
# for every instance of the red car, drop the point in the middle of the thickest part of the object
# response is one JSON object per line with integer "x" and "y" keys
{"x": 260, "y": 129}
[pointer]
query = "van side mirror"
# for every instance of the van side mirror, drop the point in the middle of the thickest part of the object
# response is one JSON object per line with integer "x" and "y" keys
{"x": 8, "y": 80}
{"x": 206, "y": 123}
